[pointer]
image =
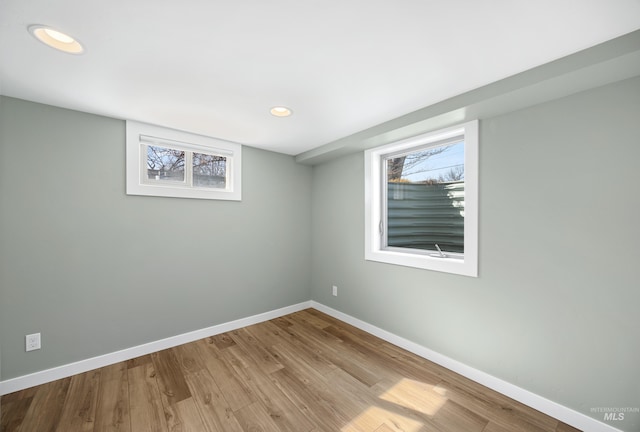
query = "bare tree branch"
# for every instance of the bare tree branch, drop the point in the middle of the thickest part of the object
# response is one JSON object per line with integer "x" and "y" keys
{"x": 407, "y": 165}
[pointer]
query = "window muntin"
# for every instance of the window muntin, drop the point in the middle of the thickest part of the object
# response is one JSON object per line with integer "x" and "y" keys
{"x": 421, "y": 192}
{"x": 165, "y": 162}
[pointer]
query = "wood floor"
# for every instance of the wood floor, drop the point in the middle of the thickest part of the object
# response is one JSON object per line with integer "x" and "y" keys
{"x": 300, "y": 373}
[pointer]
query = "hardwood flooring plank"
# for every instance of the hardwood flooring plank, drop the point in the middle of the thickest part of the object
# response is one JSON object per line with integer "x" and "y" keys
{"x": 184, "y": 416}
{"x": 189, "y": 358}
{"x": 292, "y": 348}
{"x": 411, "y": 362}
{"x": 14, "y": 407}
{"x": 365, "y": 345}
{"x": 374, "y": 410}
{"x": 493, "y": 427}
{"x": 452, "y": 417}
{"x": 387, "y": 366}
{"x": 498, "y": 408}
{"x": 301, "y": 362}
{"x": 334, "y": 351}
{"x": 255, "y": 418}
{"x": 170, "y": 377}
{"x": 256, "y": 351}
{"x": 223, "y": 340}
{"x": 12, "y": 414}
{"x": 112, "y": 409}
{"x": 424, "y": 398}
{"x": 280, "y": 408}
{"x": 79, "y": 412}
{"x": 281, "y": 322}
{"x": 307, "y": 318}
{"x": 376, "y": 417}
{"x": 211, "y": 404}
{"x": 268, "y": 334}
{"x": 145, "y": 409}
{"x": 45, "y": 410}
{"x": 114, "y": 372}
{"x": 314, "y": 400}
{"x": 384, "y": 428}
{"x": 21, "y": 394}
{"x": 139, "y": 361}
{"x": 343, "y": 326}
{"x": 236, "y": 393}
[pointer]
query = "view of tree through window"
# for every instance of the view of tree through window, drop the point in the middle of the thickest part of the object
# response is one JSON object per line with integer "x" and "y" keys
{"x": 437, "y": 164}
{"x": 209, "y": 170}
{"x": 165, "y": 164}
{"x": 425, "y": 199}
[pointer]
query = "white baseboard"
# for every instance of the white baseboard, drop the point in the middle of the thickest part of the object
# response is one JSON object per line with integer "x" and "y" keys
{"x": 562, "y": 413}
{"x": 37, "y": 378}
{"x": 553, "y": 409}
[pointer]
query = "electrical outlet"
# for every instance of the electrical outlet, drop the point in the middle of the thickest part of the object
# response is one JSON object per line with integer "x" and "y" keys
{"x": 33, "y": 342}
{"x": 335, "y": 291}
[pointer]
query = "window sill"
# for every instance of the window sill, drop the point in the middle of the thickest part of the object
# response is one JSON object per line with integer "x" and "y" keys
{"x": 449, "y": 264}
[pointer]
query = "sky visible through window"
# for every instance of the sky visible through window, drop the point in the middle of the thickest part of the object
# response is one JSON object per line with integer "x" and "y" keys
{"x": 438, "y": 166}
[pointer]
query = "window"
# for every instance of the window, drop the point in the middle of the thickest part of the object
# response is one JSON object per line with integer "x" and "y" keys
{"x": 170, "y": 163}
{"x": 421, "y": 197}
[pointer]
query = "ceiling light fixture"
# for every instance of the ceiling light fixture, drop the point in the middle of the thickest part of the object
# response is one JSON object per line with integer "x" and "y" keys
{"x": 281, "y": 111}
{"x": 56, "y": 39}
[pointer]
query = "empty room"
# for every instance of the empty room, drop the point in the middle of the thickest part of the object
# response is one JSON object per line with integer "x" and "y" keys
{"x": 308, "y": 216}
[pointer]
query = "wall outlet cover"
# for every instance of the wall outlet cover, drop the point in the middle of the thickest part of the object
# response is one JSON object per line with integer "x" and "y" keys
{"x": 33, "y": 342}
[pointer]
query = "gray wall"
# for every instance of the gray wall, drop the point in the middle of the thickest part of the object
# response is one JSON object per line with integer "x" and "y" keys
{"x": 97, "y": 271}
{"x": 555, "y": 307}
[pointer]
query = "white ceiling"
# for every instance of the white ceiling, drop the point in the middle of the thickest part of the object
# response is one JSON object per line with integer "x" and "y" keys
{"x": 216, "y": 67}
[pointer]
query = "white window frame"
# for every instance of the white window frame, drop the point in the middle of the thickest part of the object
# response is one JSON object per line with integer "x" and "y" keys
{"x": 375, "y": 197}
{"x": 139, "y": 135}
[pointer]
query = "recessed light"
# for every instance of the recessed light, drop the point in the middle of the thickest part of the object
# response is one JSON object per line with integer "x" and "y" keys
{"x": 281, "y": 111}
{"x": 56, "y": 39}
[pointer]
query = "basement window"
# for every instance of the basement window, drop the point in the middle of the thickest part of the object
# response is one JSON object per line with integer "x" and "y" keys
{"x": 421, "y": 198}
{"x": 170, "y": 163}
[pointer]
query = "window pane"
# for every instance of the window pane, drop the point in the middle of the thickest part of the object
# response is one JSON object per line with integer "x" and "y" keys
{"x": 425, "y": 199}
{"x": 209, "y": 171}
{"x": 165, "y": 164}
